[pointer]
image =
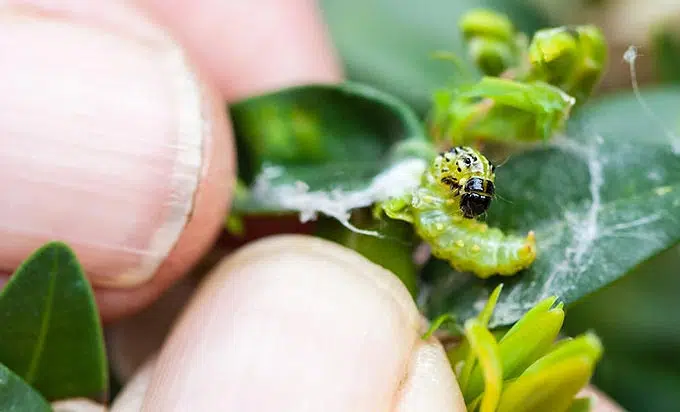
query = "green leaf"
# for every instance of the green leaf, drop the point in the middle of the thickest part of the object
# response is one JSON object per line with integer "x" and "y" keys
{"x": 51, "y": 334}
{"x": 551, "y": 390}
{"x": 529, "y": 339}
{"x": 501, "y": 110}
{"x": 393, "y": 251}
{"x": 601, "y": 202}
{"x": 552, "y": 382}
{"x": 485, "y": 348}
{"x": 390, "y": 43}
{"x": 18, "y": 396}
{"x": 666, "y": 44}
{"x": 320, "y": 138}
{"x": 634, "y": 318}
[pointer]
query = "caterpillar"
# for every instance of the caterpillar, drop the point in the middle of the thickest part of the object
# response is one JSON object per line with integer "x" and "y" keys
{"x": 455, "y": 190}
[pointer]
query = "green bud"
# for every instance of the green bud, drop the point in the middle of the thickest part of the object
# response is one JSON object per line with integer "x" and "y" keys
{"x": 492, "y": 57}
{"x": 553, "y": 53}
{"x": 572, "y": 58}
{"x": 552, "y": 382}
{"x": 529, "y": 339}
{"x": 486, "y": 23}
{"x": 491, "y": 40}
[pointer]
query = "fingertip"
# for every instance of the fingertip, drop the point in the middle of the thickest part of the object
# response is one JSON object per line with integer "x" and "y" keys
{"x": 253, "y": 47}
{"x": 306, "y": 321}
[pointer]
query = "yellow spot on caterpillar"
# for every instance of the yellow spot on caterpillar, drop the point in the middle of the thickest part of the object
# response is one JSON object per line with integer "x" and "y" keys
{"x": 439, "y": 227}
{"x": 663, "y": 190}
{"x": 476, "y": 248}
{"x": 460, "y": 243}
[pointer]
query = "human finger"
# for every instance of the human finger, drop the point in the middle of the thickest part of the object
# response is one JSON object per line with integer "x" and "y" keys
{"x": 113, "y": 141}
{"x": 298, "y": 323}
{"x": 252, "y": 47}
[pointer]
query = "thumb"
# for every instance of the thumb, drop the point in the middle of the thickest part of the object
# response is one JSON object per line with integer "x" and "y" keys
{"x": 294, "y": 323}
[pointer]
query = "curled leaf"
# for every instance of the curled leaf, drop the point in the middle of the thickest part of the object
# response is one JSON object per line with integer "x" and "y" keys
{"x": 500, "y": 110}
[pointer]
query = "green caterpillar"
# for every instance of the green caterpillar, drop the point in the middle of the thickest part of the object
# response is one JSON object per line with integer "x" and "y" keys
{"x": 456, "y": 189}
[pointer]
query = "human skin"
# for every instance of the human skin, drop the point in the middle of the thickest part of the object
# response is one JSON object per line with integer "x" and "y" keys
{"x": 104, "y": 77}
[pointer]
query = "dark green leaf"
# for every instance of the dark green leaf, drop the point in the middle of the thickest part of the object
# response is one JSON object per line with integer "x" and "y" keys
{"x": 635, "y": 319}
{"x": 391, "y": 43}
{"x": 50, "y": 333}
{"x": 394, "y": 251}
{"x": 17, "y": 396}
{"x": 601, "y": 202}
{"x": 666, "y": 42}
{"x": 331, "y": 137}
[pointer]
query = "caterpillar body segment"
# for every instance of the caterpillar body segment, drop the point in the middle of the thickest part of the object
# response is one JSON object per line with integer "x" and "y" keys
{"x": 456, "y": 189}
{"x": 471, "y": 246}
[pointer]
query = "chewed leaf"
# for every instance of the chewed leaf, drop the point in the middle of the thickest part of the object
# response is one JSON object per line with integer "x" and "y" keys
{"x": 326, "y": 149}
{"x": 601, "y": 202}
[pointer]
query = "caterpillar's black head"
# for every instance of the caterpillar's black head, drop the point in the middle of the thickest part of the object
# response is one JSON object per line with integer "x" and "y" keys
{"x": 476, "y": 197}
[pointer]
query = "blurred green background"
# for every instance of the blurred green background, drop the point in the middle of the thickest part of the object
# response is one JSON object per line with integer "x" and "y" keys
{"x": 389, "y": 44}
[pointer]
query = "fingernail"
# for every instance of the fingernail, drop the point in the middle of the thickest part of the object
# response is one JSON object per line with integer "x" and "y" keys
{"x": 289, "y": 323}
{"x": 105, "y": 134}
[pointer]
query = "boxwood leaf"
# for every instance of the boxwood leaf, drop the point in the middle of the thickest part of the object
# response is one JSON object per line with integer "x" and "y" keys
{"x": 18, "y": 396}
{"x": 601, "y": 201}
{"x": 322, "y": 146}
{"x": 50, "y": 334}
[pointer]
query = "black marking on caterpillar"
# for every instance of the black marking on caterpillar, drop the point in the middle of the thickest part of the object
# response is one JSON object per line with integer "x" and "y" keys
{"x": 457, "y": 188}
